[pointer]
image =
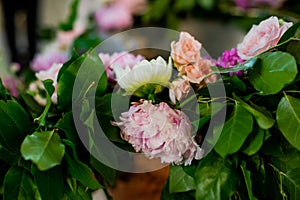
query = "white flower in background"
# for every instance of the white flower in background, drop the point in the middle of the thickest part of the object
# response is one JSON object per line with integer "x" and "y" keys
{"x": 36, "y": 86}
{"x": 157, "y": 71}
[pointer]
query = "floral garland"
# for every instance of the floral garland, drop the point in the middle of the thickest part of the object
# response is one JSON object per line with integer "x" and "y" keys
{"x": 255, "y": 151}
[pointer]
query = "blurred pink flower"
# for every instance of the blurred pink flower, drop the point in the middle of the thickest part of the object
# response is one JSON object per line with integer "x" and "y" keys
{"x": 122, "y": 59}
{"x": 245, "y": 4}
{"x": 261, "y": 37}
{"x": 134, "y": 6}
{"x": 179, "y": 89}
{"x": 11, "y": 84}
{"x": 186, "y": 51}
{"x": 160, "y": 132}
{"x": 114, "y": 17}
{"x": 45, "y": 60}
{"x": 52, "y": 74}
{"x": 66, "y": 38}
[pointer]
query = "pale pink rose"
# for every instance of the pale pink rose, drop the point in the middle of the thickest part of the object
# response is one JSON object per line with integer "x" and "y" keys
{"x": 186, "y": 51}
{"x": 122, "y": 59}
{"x": 197, "y": 73}
{"x": 45, "y": 60}
{"x": 115, "y": 17}
{"x": 51, "y": 73}
{"x": 160, "y": 132}
{"x": 179, "y": 89}
{"x": 261, "y": 37}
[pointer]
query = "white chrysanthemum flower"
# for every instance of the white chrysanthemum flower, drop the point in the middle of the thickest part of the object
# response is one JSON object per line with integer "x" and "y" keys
{"x": 157, "y": 71}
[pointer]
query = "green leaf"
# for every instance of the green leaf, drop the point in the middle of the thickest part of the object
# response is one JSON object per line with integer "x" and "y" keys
{"x": 8, "y": 156}
{"x": 215, "y": 179}
{"x": 262, "y": 116}
{"x": 293, "y": 177}
{"x": 109, "y": 174}
{"x": 180, "y": 181}
{"x": 294, "y": 49}
{"x": 48, "y": 84}
{"x": 68, "y": 24}
{"x": 3, "y": 91}
{"x": 14, "y": 125}
{"x": 166, "y": 195}
{"x": 248, "y": 181}
{"x": 79, "y": 194}
{"x": 249, "y": 64}
{"x": 206, "y": 4}
{"x": 288, "y": 119}
{"x": 184, "y": 5}
{"x": 44, "y": 149}
{"x": 50, "y": 183}
{"x": 255, "y": 141}
{"x": 79, "y": 170}
{"x": 91, "y": 69}
{"x": 273, "y": 73}
{"x": 66, "y": 124}
{"x": 18, "y": 184}
{"x": 235, "y": 131}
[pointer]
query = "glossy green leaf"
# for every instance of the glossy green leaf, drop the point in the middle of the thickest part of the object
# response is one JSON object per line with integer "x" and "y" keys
{"x": 262, "y": 116}
{"x": 288, "y": 119}
{"x": 274, "y": 71}
{"x": 166, "y": 195}
{"x": 180, "y": 181}
{"x": 248, "y": 181}
{"x": 294, "y": 49}
{"x": 293, "y": 177}
{"x": 14, "y": 125}
{"x": 18, "y": 184}
{"x": 79, "y": 170}
{"x": 66, "y": 123}
{"x": 50, "y": 183}
{"x": 91, "y": 69}
{"x": 255, "y": 141}
{"x": 80, "y": 193}
{"x": 215, "y": 179}
{"x": 235, "y": 131}
{"x": 44, "y": 149}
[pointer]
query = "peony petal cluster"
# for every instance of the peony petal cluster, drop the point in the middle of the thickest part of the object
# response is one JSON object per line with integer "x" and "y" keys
{"x": 261, "y": 37}
{"x": 191, "y": 66}
{"x": 160, "y": 132}
{"x": 35, "y": 87}
{"x": 118, "y": 60}
{"x": 179, "y": 89}
{"x": 45, "y": 60}
{"x": 155, "y": 71}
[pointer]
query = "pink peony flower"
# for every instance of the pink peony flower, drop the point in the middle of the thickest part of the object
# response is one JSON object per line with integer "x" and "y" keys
{"x": 160, "y": 132}
{"x": 122, "y": 59}
{"x": 179, "y": 89}
{"x": 261, "y": 37}
{"x": 66, "y": 38}
{"x": 47, "y": 59}
{"x": 135, "y": 7}
{"x": 115, "y": 17}
{"x": 186, "y": 51}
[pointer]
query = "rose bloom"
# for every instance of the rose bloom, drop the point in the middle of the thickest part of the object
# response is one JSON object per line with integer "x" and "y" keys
{"x": 155, "y": 71}
{"x": 121, "y": 60}
{"x": 115, "y": 17}
{"x": 186, "y": 51}
{"x": 261, "y": 37}
{"x": 160, "y": 132}
{"x": 179, "y": 89}
{"x": 197, "y": 72}
{"x": 52, "y": 74}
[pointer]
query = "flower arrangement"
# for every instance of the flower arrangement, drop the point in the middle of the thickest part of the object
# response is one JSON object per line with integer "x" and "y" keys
{"x": 228, "y": 127}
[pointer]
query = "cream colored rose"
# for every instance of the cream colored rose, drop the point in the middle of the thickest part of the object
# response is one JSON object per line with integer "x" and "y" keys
{"x": 261, "y": 37}
{"x": 186, "y": 51}
{"x": 179, "y": 89}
